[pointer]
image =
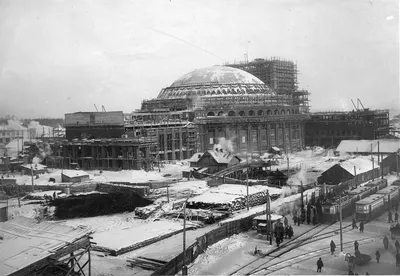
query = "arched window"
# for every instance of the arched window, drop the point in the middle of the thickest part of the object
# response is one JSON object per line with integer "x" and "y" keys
{"x": 251, "y": 113}
{"x": 260, "y": 113}
{"x": 241, "y": 113}
{"x": 221, "y": 113}
{"x": 276, "y": 112}
{"x": 269, "y": 112}
{"x": 283, "y": 112}
{"x": 288, "y": 111}
{"x": 210, "y": 114}
{"x": 231, "y": 113}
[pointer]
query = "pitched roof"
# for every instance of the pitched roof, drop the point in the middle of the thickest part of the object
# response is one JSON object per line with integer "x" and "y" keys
{"x": 222, "y": 157}
{"x": 364, "y": 146}
{"x": 361, "y": 164}
{"x": 196, "y": 157}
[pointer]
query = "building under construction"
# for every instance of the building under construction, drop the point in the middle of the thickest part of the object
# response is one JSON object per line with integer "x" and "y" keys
{"x": 328, "y": 129}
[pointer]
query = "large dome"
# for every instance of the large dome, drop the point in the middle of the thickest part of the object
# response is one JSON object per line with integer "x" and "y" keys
{"x": 215, "y": 80}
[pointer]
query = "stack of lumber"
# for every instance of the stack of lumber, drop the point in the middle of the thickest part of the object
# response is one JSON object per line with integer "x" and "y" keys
{"x": 146, "y": 263}
{"x": 147, "y": 211}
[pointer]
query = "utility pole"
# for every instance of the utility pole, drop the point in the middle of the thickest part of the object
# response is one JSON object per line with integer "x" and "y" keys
{"x": 355, "y": 175}
{"x": 287, "y": 166}
{"x": 247, "y": 190}
{"x": 301, "y": 191}
{"x": 184, "y": 267}
{"x": 33, "y": 189}
{"x": 340, "y": 217}
{"x": 373, "y": 168}
{"x": 397, "y": 162}
{"x": 268, "y": 217}
{"x": 378, "y": 153}
{"x": 168, "y": 193}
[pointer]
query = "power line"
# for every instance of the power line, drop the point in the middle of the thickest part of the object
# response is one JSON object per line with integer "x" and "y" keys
{"x": 187, "y": 42}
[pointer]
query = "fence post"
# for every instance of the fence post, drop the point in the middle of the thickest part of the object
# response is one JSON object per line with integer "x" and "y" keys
{"x": 226, "y": 230}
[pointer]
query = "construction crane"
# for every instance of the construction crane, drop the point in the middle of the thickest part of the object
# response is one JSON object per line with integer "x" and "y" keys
{"x": 96, "y": 107}
{"x": 359, "y": 101}
{"x": 354, "y": 105}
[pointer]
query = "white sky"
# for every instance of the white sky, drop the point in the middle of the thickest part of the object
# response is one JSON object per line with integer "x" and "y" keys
{"x": 65, "y": 55}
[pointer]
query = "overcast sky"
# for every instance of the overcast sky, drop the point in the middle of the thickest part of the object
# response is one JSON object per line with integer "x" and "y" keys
{"x": 64, "y": 56}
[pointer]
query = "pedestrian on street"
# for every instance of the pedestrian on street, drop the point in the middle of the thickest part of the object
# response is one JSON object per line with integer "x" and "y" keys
{"x": 314, "y": 220}
{"x": 362, "y": 227}
{"x": 378, "y": 256}
{"x": 396, "y": 217}
{"x": 285, "y": 221}
{"x": 386, "y": 242}
{"x": 298, "y": 221}
{"x": 390, "y": 217}
{"x": 320, "y": 264}
{"x": 355, "y": 246}
{"x": 397, "y": 245}
{"x": 396, "y": 206}
{"x": 333, "y": 246}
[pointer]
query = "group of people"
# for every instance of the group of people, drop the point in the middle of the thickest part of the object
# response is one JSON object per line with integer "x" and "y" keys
{"x": 283, "y": 231}
{"x": 354, "y": 225}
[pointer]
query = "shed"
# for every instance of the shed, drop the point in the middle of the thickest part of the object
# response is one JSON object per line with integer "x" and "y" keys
{"x": 345, "y": 170}
{"x": 27, "y": 169}
{"x": 195, "y": 159}
{"x": 217, "y": 160}
{"x": 391, "y": 162}
{"x": 74, "y": 176}
{"x": 275, "y": 150}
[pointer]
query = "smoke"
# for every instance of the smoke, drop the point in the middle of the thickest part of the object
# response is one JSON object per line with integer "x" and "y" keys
{"x": 36, "y": 160}
{"x": 224, "y": 144}
{"x": 34, "y": 124}
{"x": 45, "y": 151}
{"x": 15, "y": 124}
{"x": 300, "y": 176}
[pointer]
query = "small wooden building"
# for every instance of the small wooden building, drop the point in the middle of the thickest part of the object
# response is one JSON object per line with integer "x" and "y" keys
{"x": 195, "y": 159}
{"x": 74, "y": 176}
{"x": 391, "y": 162}
{"x": 27, "y": 169}
{"x": 217, "y": 160}
{"x": 344, "y": 171}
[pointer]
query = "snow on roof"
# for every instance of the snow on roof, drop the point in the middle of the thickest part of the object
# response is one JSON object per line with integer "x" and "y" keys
{"x": 222, "y": 157}
{"x": 364, "y": 146}
{"x": 273, "y": 217}
{"x": 196, "y": 157}
{"x": 276, "y": 149}
{"x": 361, "y": 164}
{"x": 370, "y": 199}
{"x": 34, "y": 166}
{"x": 74, "y": 173}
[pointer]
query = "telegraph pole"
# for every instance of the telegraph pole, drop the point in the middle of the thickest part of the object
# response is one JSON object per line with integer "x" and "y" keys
{"x": 33, "y": 189}
{"x": 268, "y": 217}
{"x": 247, "y": 189}
{"x": 287, "y": 166}
{"x": 184, "y": 267}
{"x": 397, "y": 162}
{"x": 340, "y": 217}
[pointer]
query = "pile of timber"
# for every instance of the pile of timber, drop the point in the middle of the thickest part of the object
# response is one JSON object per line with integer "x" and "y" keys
{"x": 146, "y": 263}
{"x": 237, "y": 204}
{"x": 147, "y": 211}
{"x": 206, "y": 216}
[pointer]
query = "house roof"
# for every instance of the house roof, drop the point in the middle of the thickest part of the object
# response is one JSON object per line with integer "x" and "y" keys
{"x": 196, "y": 157}
{"x": 361, "y": 164}
{"x": 28, "y": 242}
{"x": 222, "y": 157}
{"x": 364, "y": 146}
{"x": 74, "y": 173}
{"x": 34, "y": 166}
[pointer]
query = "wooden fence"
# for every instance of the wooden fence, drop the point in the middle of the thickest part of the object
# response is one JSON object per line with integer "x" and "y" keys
{"x": 225, "y": 230}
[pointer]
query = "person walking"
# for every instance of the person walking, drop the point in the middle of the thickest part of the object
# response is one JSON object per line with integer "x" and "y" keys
{"x": 285, "y": 221}
{"x": 320, "y": 264}
{"x": 386, "y": 242}
{"x": 390, "y": 217}
{"x": 396, "y": 217}
{"x": 378, "y": 256}
{"x": 362, "y": 227}
{"x": 333, "y": 246}
{"x": 355, "y": 246}
{"x": 397, "y": 245}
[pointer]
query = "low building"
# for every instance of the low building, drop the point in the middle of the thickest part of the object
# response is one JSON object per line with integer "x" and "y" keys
{"x": 392, "y": 161}
{"x": 366, "y": 147}
{"x": 74, "y": 176}
{"x": 27, "y": 169}
{"x": 217, "y": 160}
{"x": 346, "y": 170}
{"x": 195, "y": 159}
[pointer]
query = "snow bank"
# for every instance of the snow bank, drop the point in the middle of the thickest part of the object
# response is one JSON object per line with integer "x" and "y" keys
{"x": 136, "y": 176}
